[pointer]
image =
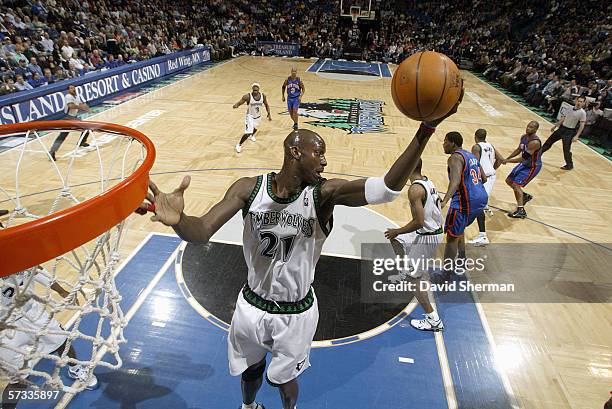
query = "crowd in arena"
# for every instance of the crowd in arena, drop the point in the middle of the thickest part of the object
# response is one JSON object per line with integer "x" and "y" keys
{"x": 532, "y": 48}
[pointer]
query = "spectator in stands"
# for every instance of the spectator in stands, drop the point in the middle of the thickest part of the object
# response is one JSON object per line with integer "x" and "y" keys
{"x": 96, "y": 60}
{"x": 48, "y": 77}
{"x": 22, "y": 69}
{"x": 593, "y": 91}
{"x": 46, "y": 43}
{"x": 66, "y": 49}
{"x": 20, "y": 84}
{"x": 8, "y": 87}
{"x": 593, "y": 114}
{"x": 36, "y": 80}
{"x": 34, "y": 67}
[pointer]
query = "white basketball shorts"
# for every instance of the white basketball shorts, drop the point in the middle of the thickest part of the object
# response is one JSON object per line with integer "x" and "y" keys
{"x": 488, "y": 185}
{"x": 255, "y": 332}
{"x": 419, "y": 248}
{"x": 250, "y": 124}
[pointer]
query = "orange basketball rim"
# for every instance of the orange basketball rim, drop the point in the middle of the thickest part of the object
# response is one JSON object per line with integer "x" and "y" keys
{"x": 26, "y": 245}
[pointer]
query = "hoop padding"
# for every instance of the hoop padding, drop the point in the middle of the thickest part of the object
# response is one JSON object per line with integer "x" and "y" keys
{"x": 60, "y": 232}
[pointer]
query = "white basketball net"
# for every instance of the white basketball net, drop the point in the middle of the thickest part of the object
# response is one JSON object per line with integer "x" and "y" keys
{"x": 34, "y": 318}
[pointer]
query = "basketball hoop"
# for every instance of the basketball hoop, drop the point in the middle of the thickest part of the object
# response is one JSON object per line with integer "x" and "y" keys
{"x": 355, "y": 12}
{"x": 69, "y": 235}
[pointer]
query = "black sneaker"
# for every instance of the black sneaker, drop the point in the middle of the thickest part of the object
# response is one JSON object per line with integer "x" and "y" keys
{"x": 3, "y": 212}
{"x": 84, "y": 145}
{"x": 567, "y": 167}
{"x": 526, "y": 197}
{"x": 518, "y": 214}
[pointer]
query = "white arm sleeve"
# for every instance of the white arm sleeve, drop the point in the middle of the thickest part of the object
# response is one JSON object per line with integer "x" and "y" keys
{"x": 376, "y": 192}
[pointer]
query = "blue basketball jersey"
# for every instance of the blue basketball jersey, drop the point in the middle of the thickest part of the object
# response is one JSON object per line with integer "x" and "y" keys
{"x": 293, "y": 87}
{"x": 529, "y": 159}
{"x": 471, "y": 195}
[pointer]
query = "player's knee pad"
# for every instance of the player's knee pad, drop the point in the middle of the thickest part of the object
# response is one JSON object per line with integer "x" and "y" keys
{"x": 253, "y": 373}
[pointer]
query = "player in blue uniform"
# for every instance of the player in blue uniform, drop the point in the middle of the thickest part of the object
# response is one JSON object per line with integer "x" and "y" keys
{"x": 295, "y": 91}
{"x": 466, "y": 194}
{"x": 529, "y": 165}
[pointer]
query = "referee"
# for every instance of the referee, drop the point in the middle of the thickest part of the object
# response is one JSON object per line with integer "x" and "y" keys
{"x": 568, "y": 129}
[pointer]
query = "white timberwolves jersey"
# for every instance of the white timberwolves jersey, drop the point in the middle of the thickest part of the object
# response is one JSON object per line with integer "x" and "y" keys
{"x": 487, "y": 158}
{"x": 255, "y": 105}
{"x": 282, "y": 240}
{"x": 433, "y": 218}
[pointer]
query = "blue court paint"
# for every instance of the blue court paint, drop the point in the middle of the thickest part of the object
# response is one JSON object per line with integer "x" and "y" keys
{"x": 351, "y": 67}
{"x": 475, "y": 377}
{"x": 184, "y": 364}
{"x": 130, "y": 281}
{"x": 386, "y": 72}
{"x": 315, "y": 67}
{"x": 175, "y": 358}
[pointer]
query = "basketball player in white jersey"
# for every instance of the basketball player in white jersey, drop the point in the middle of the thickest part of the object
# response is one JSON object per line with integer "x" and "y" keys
{"x": 255, "y": 101}
{"x": 490, "y": 160}
{"x": 34, "y": 317}
{"x": 287, "y": 217}
{"x": 419, "y": 239}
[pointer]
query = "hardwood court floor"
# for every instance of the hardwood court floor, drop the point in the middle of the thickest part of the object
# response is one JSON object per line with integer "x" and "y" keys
{"x": 555, "y": 355}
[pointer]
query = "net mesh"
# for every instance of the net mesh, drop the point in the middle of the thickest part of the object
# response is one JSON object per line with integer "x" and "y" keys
{"x": 67, "y": 311}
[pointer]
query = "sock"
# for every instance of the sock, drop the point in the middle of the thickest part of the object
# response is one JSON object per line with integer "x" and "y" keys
{"x": 433, "y": 316}
{"x": 483, "y": 234}
{"x": 252, "y": 405}
{"x": 520, "y": 207}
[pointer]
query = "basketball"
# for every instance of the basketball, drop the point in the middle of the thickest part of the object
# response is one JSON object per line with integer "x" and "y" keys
{"x": 426, "y": 86}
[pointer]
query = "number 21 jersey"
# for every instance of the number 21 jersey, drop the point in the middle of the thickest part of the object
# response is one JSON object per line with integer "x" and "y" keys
{"x": 282, "y": 241}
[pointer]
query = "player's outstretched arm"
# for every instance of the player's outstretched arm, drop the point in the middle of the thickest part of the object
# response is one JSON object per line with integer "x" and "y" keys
{"x": 386, "y": 188}
{"x": 243, "y": 100}
{"x": 169, "y": 209}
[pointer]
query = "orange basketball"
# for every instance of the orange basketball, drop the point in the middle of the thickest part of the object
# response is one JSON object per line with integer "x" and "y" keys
{"x": 426, "y": 86}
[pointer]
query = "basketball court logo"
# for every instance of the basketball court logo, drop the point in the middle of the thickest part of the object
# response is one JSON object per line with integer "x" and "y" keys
{"x": 353, "y": 115}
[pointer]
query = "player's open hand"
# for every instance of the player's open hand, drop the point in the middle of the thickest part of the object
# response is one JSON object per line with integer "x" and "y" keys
{"x": 269, "y": 117}
{"x": 166, "y": 206}
{"x": 391, "y": 233}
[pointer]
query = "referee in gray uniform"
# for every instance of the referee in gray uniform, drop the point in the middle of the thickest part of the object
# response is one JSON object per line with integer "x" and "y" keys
{"x": 568, "y": 129}
{"x": 73, "y": 105}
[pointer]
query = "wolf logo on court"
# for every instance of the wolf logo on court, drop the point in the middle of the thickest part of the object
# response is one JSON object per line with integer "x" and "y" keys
{"x": 353, "y": 115}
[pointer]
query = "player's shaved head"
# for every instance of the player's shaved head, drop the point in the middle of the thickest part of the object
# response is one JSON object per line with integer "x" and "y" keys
{"x": 532, "y": 127}
{"x": 304, "y": 156}
{"x": 302, "y": 139}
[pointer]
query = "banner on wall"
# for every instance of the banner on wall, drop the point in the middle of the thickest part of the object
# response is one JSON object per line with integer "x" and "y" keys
{"x": 278, "y": 48}
{"x": 49, "y": 101}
